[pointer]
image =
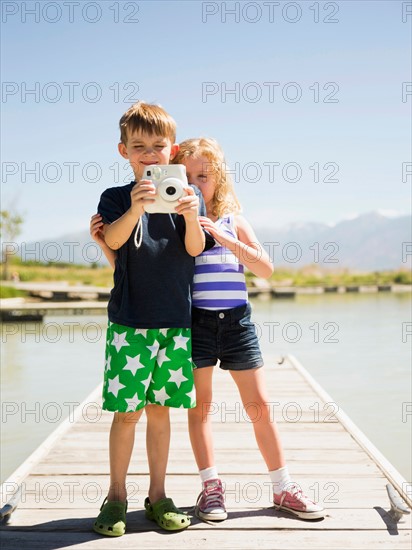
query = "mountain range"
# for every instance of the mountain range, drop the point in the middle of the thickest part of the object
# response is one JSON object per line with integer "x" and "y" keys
{"x": 369, "y": 242}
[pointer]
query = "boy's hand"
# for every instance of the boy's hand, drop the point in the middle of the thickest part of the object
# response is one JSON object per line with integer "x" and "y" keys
{"x": 140, "y": 195}
{"x": 96, "y": 229}
{"x": 189, "y": 205}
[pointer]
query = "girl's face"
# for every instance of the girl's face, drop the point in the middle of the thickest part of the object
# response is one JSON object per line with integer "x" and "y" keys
{"x": 200, "y": 173}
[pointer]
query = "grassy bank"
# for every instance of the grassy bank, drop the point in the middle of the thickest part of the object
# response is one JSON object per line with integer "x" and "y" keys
{"x": 307, "y": 276}
{"x": 70, "y": 273}
{"x": 313, "y": 276}
{"x": 10, "y": 292}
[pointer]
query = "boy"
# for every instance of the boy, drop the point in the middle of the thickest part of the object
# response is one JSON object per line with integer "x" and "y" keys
{"x": 148, "y": 350}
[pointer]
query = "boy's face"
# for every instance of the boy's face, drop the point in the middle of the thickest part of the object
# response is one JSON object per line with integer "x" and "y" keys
{"x": 144, "y": 149}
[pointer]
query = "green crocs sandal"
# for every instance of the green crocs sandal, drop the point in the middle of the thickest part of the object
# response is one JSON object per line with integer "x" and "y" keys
{"x": 112, "y": 519}
{"x": 166, "y": 515}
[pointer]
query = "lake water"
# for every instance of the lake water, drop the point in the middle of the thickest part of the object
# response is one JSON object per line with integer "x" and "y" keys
{"x": 356, "y": 346}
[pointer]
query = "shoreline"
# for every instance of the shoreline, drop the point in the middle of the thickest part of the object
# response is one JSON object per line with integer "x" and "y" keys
{"x": 278, "y": 291}
{"x": 54, "y": 298}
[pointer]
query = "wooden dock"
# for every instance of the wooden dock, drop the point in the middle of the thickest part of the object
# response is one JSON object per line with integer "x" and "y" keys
{"x": 64, "y": 482}
{"x": 60, "y": 291}
{"x": 56, "y": 298}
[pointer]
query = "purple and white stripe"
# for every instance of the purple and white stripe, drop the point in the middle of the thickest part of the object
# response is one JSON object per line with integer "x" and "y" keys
{"x": 219, "y": 281}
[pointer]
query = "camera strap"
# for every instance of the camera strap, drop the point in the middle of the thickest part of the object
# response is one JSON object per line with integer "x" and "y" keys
{"x": 139, "y": 227}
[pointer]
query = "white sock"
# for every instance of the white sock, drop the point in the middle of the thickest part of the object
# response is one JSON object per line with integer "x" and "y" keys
{"x": 280, "y": 478}
{"x": 208, "y": 473}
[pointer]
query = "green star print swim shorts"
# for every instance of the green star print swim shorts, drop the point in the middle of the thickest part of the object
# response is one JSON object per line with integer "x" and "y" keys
{"x": 148, "y": 366}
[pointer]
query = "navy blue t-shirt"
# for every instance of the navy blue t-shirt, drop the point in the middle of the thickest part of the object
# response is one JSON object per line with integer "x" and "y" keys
{"x": 152, "y": 283}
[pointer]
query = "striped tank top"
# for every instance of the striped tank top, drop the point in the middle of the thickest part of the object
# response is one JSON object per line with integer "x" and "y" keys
{"x": 219, "y": 280}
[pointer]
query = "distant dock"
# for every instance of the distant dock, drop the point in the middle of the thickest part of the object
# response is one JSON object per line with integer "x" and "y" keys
{"x": 56, "y": 292}
{"x": 58, "y": 490}
{"x": 63, "y": 299}
{"x": 264, "y": 287}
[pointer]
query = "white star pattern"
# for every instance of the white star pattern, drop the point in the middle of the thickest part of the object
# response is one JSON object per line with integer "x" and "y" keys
{"x": 177, "y": 377}
{"x": 133, "y": 364}
{"x": 162, "y": 357}
{"x": 161, "y": 395}
{"x": 192, "y": 396}
{"x": 180, "y": 342}
{"x": 146, "y": 382}
{"x": 132, "y": 403}
{"x": 119, "y": 341}
{"x": 157, "y": 350}
{"x": 107, "y": 364}
{"x": 153, "y": 349}
{"x": 114, "y": 385}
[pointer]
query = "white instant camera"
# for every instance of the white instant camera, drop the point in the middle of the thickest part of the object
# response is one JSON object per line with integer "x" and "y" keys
{"x": 170, "y": 181}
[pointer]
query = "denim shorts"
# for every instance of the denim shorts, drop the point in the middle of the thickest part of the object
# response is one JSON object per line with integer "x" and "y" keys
{"x": 227, "y": 335}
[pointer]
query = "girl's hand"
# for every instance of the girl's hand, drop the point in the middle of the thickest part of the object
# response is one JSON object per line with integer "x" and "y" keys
{"x": 211, "y": 228}
{"x": 189, "y": 205}
{"x": 96, "y": 229}
{"x": 96, "y": 225}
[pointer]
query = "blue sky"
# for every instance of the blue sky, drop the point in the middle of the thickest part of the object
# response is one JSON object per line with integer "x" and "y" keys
{"x": 326, "y": 95}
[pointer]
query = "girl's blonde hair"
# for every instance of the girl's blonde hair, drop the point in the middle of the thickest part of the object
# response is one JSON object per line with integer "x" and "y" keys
{"x": 224, "y": 198}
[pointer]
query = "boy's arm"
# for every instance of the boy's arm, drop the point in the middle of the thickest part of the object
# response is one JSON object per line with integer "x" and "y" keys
{"x": 109, "y": 253}
{"x": 119, "y": 231}
{"x": 194, "y": 238}
{"x": 194, "y": 235}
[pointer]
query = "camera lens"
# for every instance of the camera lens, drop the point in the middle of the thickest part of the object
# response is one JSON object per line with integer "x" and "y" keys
{"x": 149, "y": 173}
{"x": 170, "y": 189}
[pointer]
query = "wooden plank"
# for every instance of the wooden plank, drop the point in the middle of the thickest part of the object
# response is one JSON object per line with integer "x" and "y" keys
{"x": 77, "y": 461}
{"x": 251, "y": 489}
{"x": 209, "y": 538}
{"x": 230, "y": 420}
{"x": 239, "y": 517}
{"x": 296, "y": 440}
{"x": 44, "y": 307}
{"x": 395, "y": 478}
{"x": 284, "y": 409}
{"x": 62, "y": 455}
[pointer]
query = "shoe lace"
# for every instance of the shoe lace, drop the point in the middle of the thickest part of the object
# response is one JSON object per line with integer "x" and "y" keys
{"x": 293, "y": 490}
{"x": 212, "y": 495}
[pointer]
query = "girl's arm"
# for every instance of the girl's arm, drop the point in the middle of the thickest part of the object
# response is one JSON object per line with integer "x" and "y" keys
{"x": 96, "y": 226}
{"x": 246, "y": 247}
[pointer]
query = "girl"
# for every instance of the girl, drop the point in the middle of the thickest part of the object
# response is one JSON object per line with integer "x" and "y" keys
{"x": 222, "y": 330}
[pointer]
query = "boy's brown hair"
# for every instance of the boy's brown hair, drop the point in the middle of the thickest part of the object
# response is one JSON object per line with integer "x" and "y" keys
{"x": 148, "y": 118}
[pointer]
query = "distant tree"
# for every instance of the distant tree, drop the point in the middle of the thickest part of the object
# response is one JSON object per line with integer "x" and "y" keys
{"x": 10, "y": 228}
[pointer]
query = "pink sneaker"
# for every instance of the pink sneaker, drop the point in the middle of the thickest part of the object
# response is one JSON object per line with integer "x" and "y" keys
{"x": 294, "y": 501}
{"x": 210, "y": 503}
